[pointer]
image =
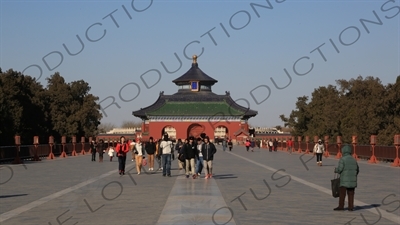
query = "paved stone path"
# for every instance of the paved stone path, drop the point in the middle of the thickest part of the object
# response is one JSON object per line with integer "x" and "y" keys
{"x": 257, "y": 187}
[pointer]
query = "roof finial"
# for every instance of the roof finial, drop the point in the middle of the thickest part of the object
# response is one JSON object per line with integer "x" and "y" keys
{"x": 194, "y": 57}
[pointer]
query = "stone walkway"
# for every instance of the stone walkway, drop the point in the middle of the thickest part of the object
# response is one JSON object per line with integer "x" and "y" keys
{"x": 257, "y": 187}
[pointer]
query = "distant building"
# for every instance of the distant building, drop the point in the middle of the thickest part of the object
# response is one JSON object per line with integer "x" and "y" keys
{"x": 194, "y": 110}
{"x": 268, "y": 130}
{"x": 113, "y": 135}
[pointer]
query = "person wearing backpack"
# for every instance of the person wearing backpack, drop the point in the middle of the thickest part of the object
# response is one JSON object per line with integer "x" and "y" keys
{"x": 178, "y": 148}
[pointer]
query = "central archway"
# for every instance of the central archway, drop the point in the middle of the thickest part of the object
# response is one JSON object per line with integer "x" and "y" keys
{"x": 170, "y": 130}
{"x": 195, "y": 130}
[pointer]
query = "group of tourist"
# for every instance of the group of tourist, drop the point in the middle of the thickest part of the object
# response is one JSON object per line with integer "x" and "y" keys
{"x": 193, "y": 155}
{"x": 97, "y": 147}
{"x": 196, "y": 154}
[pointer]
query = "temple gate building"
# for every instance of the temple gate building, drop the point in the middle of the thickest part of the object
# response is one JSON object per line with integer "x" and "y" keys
{"x": 194, "y": 110}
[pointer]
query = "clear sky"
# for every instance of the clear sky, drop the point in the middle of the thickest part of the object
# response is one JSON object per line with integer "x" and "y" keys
{"x": 245, "y": 45}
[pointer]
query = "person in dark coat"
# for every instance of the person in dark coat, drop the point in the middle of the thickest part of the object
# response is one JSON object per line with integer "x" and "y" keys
{"x": 190, "y": 152}
{"x": 275, "y": 143}
{"x": 230, "y": 144}
{"x": 178, "y": 147}
{"x": 252, "y": 145}
{"x": 348, "y": 170}
{"x": 151, "y": 150}
{"x": 208, "y": 150}
{"x": 101, "y": 149}
{"x": 93, "y": 147}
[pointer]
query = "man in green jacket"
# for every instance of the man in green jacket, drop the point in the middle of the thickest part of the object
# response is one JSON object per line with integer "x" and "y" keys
{"x": 348, "y": 170}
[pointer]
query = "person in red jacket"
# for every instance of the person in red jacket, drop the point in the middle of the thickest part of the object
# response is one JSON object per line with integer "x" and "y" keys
{"x": 121, "y": 150}
{"x": 290, "y": 145}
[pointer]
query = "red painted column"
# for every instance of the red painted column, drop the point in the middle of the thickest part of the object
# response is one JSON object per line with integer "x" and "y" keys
{"x": 396, "y": 161}
{"x": 327, "y": 146}
{"x": 51, "y": 143}
{"x": 74, "y": 144}
{"x": 307, "y": 144}
{"x": 63, "y": 142}
{"x": 339, "y": 144}
{"x": 299, "y": 140}
{"x": 373, "y": 143}
{"x": 83, "y": 145}
{"x": 36, "y": 144}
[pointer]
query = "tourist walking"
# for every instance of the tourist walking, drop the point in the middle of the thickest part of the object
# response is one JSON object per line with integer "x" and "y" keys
{"x": 270, "y": 145}
{"x": 101, "y": 149}
{"x": 319, "y": 149}
{"x": 139, "y": 155}
{"x": 224, "y": 144}
{"x": 132, "y": 148}
{"x": 230, "y": 144}
{"x": 290, "y": 145}
{"x": 151, "y": 150}
{"x": 252, "y": 145}
{"x": 275, "y": 145}
{"x": 190, "y": 152}
{"x": 158, "y": 154}
{"x": 122, "y": 149}
{"x": 178, "y": 148}
{"x": 166, "y": 150}
{"x": 348, "y": 170}
{"x": 208, "y": 150}
{"x": 199, "y": 161}
{"x": 111, "y": 152}
{"x": 93, "y": 147}
{"x": 247, "y": 144}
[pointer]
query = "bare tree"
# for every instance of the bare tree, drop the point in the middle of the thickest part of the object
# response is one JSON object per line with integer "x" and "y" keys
{"x": 131, "y": 124}
{"x": 105, "y": 127}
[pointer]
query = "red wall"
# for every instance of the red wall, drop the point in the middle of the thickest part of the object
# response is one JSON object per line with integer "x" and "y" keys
{"x": 155, "y": 128}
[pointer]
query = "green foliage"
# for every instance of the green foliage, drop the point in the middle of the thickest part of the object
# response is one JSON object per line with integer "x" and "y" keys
{"x": 361, "y": 107}
{"x": 22, "y": 107}
{"x": 27, "y": 109}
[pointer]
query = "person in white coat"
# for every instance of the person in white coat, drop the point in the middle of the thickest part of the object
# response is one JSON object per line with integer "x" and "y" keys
{"x": 139, "y": 152}
{"x": 111, "y": 152}
{"x": 318, "y": 150}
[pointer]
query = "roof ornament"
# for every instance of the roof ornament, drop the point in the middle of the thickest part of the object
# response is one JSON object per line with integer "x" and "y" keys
{"x": 194, "y": 57}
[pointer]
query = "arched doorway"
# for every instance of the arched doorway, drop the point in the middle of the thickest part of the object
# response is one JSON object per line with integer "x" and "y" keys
{"x": 170, "y": 130}
{"x": 195, "y": 130}
{"x": 220, "y": 133}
